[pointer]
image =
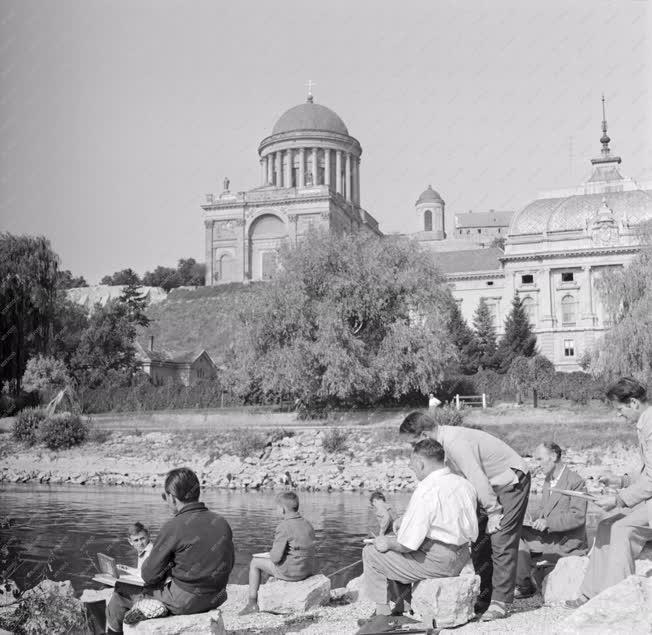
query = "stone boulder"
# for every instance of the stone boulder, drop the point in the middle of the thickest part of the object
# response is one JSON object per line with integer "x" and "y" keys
{"x": 9, "y": 593}
{"x": 623, "y": 608}
{"x": 449, "y": 601}
{"x": 280, "y": 596}
{"x": 210, "y": 622}
{"x": 50, "y": 587}
{"x": 92, "y": 595}
{"x": 564, "y": 581}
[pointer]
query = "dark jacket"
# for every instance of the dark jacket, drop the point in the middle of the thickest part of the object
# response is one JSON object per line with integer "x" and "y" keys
{"x": 566, "y": 515}
{"x": 293, "y": 551}
{"x": 195, "y": 548}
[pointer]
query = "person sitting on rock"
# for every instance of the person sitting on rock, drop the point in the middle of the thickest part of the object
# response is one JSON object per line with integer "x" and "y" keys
{"x": 560, "y": 529}
{"x": 138, "y": 536}
{"x": 190, "y": 562}
{"x": 434, "y": 535}
{"x": 292, "y": 556}
{"x": 621, "y": 536}
{"x": 383, "y": 512}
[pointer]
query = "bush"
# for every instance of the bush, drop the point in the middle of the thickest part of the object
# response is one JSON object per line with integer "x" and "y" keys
{"x": 7, "y": 405}
{"x": 248, "y": 443}
{"x": 448, "y": 416}
{"x": 27, "y": 424}
{"x": 335, "y": 441}
{"x": 62, "y": 431}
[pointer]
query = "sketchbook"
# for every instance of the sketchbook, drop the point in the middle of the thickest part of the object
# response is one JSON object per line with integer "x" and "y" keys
{"x": 264, "y": 554}
{"x": 110, "y": 573}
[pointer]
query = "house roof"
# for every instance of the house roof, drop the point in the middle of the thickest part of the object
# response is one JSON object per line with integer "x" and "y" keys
{"x": 162, "y": 355}
{"x": 485, "y": 259}
{"x": 483, "y": 219}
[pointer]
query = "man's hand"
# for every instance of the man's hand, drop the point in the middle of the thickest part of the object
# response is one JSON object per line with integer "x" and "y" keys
{"x": 607, "y": 502}
{"x": 121, "y": 567}
{"x": 611, "y": 480}
{"x": 396, "y": 525}
{"x": 381, "y": 543}
{"x": 540, "y": 524}
{"x": 493, "y": 523}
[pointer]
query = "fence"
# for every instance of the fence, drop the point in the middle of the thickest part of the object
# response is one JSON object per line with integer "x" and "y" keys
{"x": 470, "y": 400}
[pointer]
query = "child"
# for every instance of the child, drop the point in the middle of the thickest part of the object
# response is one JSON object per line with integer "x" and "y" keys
{"x": 383, "y": 512}
{"x": 292, "y": 556}
{"x": 138, "y": 536}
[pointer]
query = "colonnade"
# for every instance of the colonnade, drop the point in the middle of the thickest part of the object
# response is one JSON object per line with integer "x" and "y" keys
{"x": 277, "y": 169}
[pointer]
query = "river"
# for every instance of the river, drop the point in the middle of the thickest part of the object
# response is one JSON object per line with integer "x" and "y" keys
{"x": 58, "y": 530}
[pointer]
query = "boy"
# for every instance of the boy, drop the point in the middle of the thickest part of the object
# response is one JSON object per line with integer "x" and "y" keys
{"x": 292, "y": 556}
{"x": 383, "y": 512}
{"x": 138, "y": 536}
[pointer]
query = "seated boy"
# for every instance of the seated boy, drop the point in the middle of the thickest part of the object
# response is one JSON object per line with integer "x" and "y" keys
{"x": 383, "y": 512}
{"x": 139, "y": 539}
{"x": 292, "y": 556}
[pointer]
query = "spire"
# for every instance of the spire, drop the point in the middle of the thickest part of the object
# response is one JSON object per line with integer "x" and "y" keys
{"x": 310, "y": 84}
{"x": 605, "y": 153}
{"x": 604, "y": 140}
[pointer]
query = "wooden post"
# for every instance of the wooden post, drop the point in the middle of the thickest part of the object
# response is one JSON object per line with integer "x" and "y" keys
{"x": 484, "y": 401}
{"x": 457, "y": 402}
{"x": 222, "y": 400}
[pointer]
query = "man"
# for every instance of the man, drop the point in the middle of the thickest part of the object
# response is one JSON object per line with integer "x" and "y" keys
{"x": 621, "y": 536}
{"x": 502, "y": 482}
{"x": 194, "y": 550}
{"x": 433, "y": 402}
{"x": 433, "y": 536}
{"x": 560, "y": 529}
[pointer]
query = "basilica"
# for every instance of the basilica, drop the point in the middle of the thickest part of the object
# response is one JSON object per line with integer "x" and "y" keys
{"x": 555, "y": 249}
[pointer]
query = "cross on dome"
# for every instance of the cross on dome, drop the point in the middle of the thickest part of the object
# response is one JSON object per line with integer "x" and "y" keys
{"x": 310, "y": 84}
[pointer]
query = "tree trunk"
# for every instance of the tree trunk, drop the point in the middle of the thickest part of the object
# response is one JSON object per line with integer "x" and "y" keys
{"x": 535, "y": 398}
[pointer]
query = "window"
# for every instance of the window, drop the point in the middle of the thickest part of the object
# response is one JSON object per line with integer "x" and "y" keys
{"x": 427, "y": 221}
{"x": 527, "y": 278}
{"x": 529, "y": 306}
{"x": 490, "y": 283}
{"x": 567, "y": 276}
{"x": 569, "y": 348}
{"x": 479, "y": 231}
{"x": 499, "y": 230}
{"x": 568, "y": 310}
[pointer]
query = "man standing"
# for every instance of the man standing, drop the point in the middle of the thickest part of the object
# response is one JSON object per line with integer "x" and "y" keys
{"x": 560, "y": 529}
{"x": 434, "y": 534}
{"x": 502, "y": 482}
{"x": 621, "y": 536}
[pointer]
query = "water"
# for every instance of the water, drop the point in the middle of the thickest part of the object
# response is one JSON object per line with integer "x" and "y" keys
{"x": 58, "y": 530}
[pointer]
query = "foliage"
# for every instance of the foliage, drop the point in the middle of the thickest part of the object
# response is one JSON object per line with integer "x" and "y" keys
{"x": 126, "y": 276}
{"x": 69, "y": 322}
{"x": 187, "y": 273}
{"x": 626, "y": 348}
{"x": 28, "y": 289}
{"x": 347, "y": 320}
{"x": 448, "y": 416}
{"x": 463, "y": 338}
{"x": 27, "y": 424}
{"x": 519, "y": 340}
{"x": 135, "y": 304}
{"x": 249, "y": 443}
{"x": 534, "y": 374}
{"x": 335, "y": 440}
{"x": 490, "y": 383}
{"x": 65, "y": 280}
{"x": 62, "y": 431}
{"x": 499, "y": 242}
{"x": 46, "y": 376}
{"x": 483, "y": 347}
{"x": 577, "y": 386}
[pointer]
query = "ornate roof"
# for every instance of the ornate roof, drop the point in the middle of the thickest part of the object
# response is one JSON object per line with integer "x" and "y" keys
{"x": 310, "y": 116}
{"x": 429, "y": 196}
{"x": 574, "y": 212}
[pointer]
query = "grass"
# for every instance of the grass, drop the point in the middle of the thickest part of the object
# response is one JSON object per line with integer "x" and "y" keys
{"x": 335, "y": 440}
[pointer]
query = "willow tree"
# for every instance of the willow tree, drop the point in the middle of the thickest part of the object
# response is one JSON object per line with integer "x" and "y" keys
{"x": 348, "y": 320}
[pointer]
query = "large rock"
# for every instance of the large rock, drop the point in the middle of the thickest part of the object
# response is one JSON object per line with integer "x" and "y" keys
{"x": 564, "y": 581}
{"x": 93, "y": 595}
{"x": 623, "y": 608}
{"x": 50, "y": 587}
{"x": 449, "y": 601}
{"x": 294, "y": 597}
{"x": 9, "y": 593}
{"x": 210, "y": 622}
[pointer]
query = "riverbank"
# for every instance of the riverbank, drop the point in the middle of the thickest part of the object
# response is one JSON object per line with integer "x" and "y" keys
{"x": 313, "y": 459}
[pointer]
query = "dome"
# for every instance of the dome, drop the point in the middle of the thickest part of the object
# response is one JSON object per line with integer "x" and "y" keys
{"x": 429, "y": 196}
{"x": 310, "y": 116}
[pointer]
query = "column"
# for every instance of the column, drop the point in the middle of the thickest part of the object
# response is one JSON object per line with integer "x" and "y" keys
{"x": 546, "y": 312}
{"x": 279, "y": 169}
{"x": 288, "y": 168}
{"x": 268, "y": 164}
{"x": 210, "y": 258}
{"x": 586, "y": 295}
{"x": 263, "y": 171}
{"x": 338, "y": 171}
{"x": 302, "y": 167}
{"x": 327, "y": 167}
{"x": 348, "y": 176}
{"x": 356, "y": 180}
{"x": 315, "y": 171}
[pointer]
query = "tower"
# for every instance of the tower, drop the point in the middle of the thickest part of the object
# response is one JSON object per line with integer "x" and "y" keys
{"x": 430, "y": 211}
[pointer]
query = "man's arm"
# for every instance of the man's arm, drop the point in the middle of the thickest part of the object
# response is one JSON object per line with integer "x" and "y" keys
{"x": 641, "y": 489}
{"x": 390, "y": 543}
{"x": 277, "y": 552}
{"x": 574, "y": 516}
{"x": 161, "y": 557}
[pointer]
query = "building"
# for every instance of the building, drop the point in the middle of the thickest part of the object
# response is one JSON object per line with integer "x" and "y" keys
{"x": 482, "y": 228}
{"x": 188, "y": 367}
{"x": 310, "y": 177}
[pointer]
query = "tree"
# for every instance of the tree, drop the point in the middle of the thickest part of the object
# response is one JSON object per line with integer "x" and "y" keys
{"x": 518, "y": 340}
{"x": 69, "y": 322}
{"x": 28, "y": 291}
{"x": 188, "y": 273}
{"x": 347, "y": 320}
{"x": 135, "y": 304}
{"x": 463, "y": 338}
{"x": 164, "y": 277}
{"x": 191, "y": 272}
{"x": 67, "y": 281}
{"x": 498, "y": 241}
{"x": 45, "y": 375}
{"x": 534, "y": 374}
{"x": 483, "y": 347}
{"x": 126, "y": 276}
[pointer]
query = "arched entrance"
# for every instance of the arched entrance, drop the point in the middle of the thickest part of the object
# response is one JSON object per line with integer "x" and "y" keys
{"x": 266, "y": 234}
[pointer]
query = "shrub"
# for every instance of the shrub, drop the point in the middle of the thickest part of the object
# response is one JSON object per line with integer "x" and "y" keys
{"x": 335, "y": 440}
{"x": 249, "y": 443}
{"x": 62, "y": 430}
{"x": 7, "y": 405}
{"x": 97, "y": 435}
{"x": 448, "y": 416}
{"x": 278, "y": 434}
{"x": 27, "y": 424}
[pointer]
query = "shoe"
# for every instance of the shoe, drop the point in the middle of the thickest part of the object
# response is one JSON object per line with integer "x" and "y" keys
{"x": 522, "y": 592}
{"x": 252, "y": 607}
{"x": 494, "y": 612}
{"x": 575, "y": 604}
{"x": 134, "y": 616}
{"x": 480, "y": 608}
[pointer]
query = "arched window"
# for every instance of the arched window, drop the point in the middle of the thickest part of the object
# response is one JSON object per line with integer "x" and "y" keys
{"x": 427, "y": 221}
{"x": 530, "y": 308}
{"x": 568, "y": 310}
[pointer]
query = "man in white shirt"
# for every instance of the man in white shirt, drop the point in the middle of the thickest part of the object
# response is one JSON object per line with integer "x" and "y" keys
{"x": 433, "y": 536}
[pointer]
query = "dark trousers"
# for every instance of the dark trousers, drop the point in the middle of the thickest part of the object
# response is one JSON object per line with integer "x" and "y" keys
{"x": 495, "y": 556}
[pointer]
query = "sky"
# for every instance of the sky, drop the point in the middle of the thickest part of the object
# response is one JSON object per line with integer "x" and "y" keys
{"x": 117, "y": 117}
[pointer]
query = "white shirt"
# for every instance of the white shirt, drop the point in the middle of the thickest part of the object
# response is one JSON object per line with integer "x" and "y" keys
{"x": 443, "y": 508}
{"x": 554, "y": 481}
{"x": 143, "y": 555}
{"x": 433, "y": 402}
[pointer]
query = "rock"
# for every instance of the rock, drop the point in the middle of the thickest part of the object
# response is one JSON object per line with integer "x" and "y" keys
{"x": 564, "y": 581}
{"x": 91, "y": 595}
{"x": 210, "y": 622}
{"x": 294, "y": 597}
{"x": 623, "y": 608}
{"x": 49, "y": 587}
{"x": 9, "y": 592}
{"x": 449, "y": 601}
